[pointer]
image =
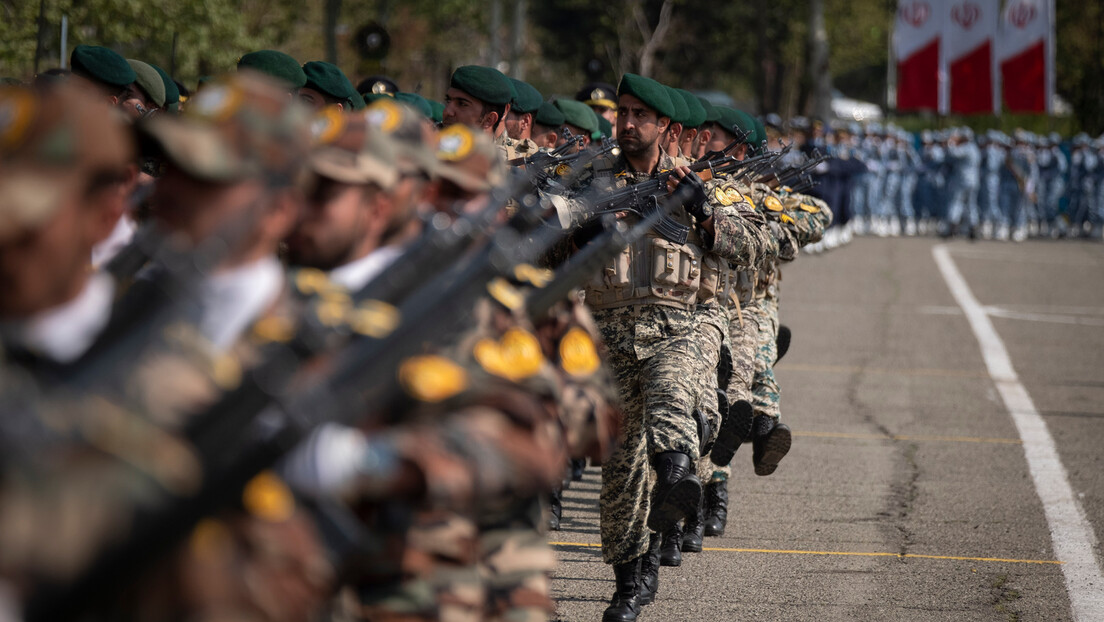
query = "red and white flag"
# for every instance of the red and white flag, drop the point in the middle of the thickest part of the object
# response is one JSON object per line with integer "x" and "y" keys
{"x": 970, "y": 35}
{"x": 917, "y": 37}
{"x": 1026, "y": 54}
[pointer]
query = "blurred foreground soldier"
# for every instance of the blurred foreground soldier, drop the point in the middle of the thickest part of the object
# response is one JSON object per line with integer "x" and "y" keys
{"x": 579, "y": 119}
{"x": 64, "y": 162}
{"x": 276, "y": 65}
{"x": 602, "y": 98}
{"x": 146, "y": 94}
{"x": 478, "y": 97}
{"x": 327, "y": 86}
{"x": 546, "y": 125}
{"x": 105, "y": 70}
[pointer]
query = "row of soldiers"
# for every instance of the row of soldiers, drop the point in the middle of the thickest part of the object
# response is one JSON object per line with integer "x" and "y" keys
{"x": 888, "y": 182}
{"x": 263, "y": 362}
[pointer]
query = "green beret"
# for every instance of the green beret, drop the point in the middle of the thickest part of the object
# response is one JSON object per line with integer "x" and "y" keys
{"x": 528, "y": 98}
{"x": 483, "y": 83}
{"x": 417, "y": 102}
{"x": 733, "y": 120}
{"x": 438, "y": 111}
{"x": 372, "y": 97}
{"x": 549, "y": 115}
{"x": 172, "y": 91}
{"x": 679, "y": 104}
{"x": 652, "y": 93}
{"x": 328, "y": 79}
{"x": 605, "y": 127}
{"x": 101, "y": 65}
{"x": 578, "y": 114}
{"x": 697, "y": 112}
{"x": 276, "y": 64}
{"x": 711, "y": 114}
{"x": 149, "y": 81}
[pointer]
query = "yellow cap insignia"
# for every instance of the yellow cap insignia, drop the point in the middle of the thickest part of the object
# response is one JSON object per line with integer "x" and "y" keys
{"x": 812, "y": 209}
{"x": 516, "y": 356}
{"x": 268, "y": 498}
{"x": 562, "y": 170}
{"x": 455, "y": 143}
{"x": 374, "y": 319}
{"x": 384, "y": 114}
{"x": 734, "y": 195}
{"x": 327, "y": 125}
{"x": 432, "y": 378}
{"x": 505, "y": 294}
{"x": 217, "y": 102}
{"x": 772, "y": 203}
{"x": 720, "y": 196}
{"x": 537, "y": 277}
{"x": 786, "y": 218}
{"x": 578, "y": 356}
{"x": 16, "y": 113}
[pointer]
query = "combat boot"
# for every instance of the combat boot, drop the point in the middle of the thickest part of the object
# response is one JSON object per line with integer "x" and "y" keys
{"x": 735, "y": 429}
{"x": 555, "y": 510}
{"x": 694, "y": 530}
{"x": 771, "y": 442}
{"x": 782, "y": 342}
{"x": 678, "y": 490}
{"x": 670, "y": 552}
{"x": 716, "y": 503}
{"x": 625, "y": 605}
{"x": 649, "y": 571}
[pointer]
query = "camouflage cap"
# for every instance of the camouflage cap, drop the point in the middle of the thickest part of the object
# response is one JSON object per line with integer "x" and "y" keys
{"x": 469, "y": 159}
{"x": 149, "y": 81}
{"x": 243, "y": 126}
{"x": 349, "y": 150}
{"x": 51, "y": 139}
{"x": 407, "y": 130}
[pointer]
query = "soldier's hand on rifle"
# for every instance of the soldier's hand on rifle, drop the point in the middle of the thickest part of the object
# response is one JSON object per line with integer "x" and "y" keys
{"x": 697, "y": 201}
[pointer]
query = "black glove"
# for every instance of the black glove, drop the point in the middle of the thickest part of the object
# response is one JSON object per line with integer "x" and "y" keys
{"x": 697, "y": 202}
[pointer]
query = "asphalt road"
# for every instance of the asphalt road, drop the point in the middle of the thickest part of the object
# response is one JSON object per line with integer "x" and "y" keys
{"x": 907, "y": 494}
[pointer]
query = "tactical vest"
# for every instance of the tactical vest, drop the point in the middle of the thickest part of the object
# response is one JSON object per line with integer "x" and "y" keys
{"x": 651, "y": 270}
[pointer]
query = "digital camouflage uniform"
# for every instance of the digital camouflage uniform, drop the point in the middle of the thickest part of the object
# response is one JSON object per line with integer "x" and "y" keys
{"x": 661, "y": 362}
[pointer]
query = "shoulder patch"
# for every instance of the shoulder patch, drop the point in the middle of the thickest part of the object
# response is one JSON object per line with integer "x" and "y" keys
{"x": 772, "y": 203}
{"x": 432, "y": 378}
{"x": 578, "y": 356}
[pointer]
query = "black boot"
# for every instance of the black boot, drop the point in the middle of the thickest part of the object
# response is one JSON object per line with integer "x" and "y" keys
{"x": 649, "y": 571}
{"x": 670, "y": 552}
{"x": 578, "y": 465}
{"x": 555, "y": 503}
{"x": 782, "y": 342}
{"x": 693, "y": 531}
{"x": 625, "y": 605}
{"x": 716, "y": 514}
{"x": 771, "y": 443}
{"x": 677, "y": 492}
{"x": 735, "y": 429}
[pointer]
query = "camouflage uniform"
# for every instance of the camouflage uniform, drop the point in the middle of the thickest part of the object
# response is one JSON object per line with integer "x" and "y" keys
{"x": 662, "y": 356}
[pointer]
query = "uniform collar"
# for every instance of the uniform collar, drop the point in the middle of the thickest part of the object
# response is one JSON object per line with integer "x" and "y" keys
{"x": 357, "y": 273}
{"x": 231, "y": 300}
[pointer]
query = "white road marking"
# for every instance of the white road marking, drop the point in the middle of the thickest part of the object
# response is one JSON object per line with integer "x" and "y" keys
{"x": 1053, "y": 318}
{"x": 1070, "y": 530}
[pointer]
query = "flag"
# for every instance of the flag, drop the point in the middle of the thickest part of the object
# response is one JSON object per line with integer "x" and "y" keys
{"x": 917, "y": 48}
{"x": 970, "y": 34}
{"x": 1026, "y": 55}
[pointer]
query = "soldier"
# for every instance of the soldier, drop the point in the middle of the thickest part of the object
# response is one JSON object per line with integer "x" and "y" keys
{"x": 964, "y": 158}
{"x": 276, "y": 65}
{"x": 146, "y": 94}
{"x": 478, "y": 97}
{"x": 519, "y": 120}
{"x": 694, "y": 120}
{"x": 104, "y": 70}
{"x": 327, "y": 85}
{"x": 546, "y": 126}
{"x": 930, "y": 186}
{"x": 1053, "y": 167}
{"x": 993, "y": 220}
{"x": 579, "y": 119}
{"x": 602, "y": 98}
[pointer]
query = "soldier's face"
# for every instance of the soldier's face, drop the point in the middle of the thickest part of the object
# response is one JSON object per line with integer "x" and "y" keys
{"x": 519, "y": 125}
{"x": 47, "y": 265}
{"x": 341, "y": 222}
{"x": 638, "y": 126}
{"x": 197, "y": 209}
{"x": 462, "y": 108}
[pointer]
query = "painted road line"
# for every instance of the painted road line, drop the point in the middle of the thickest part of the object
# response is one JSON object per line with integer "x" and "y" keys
{"x": 910, "y": 437}
{"x": 854, "y": 369}
{"x": 1070, "y": 530}
{"x": 959, "y": 558}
